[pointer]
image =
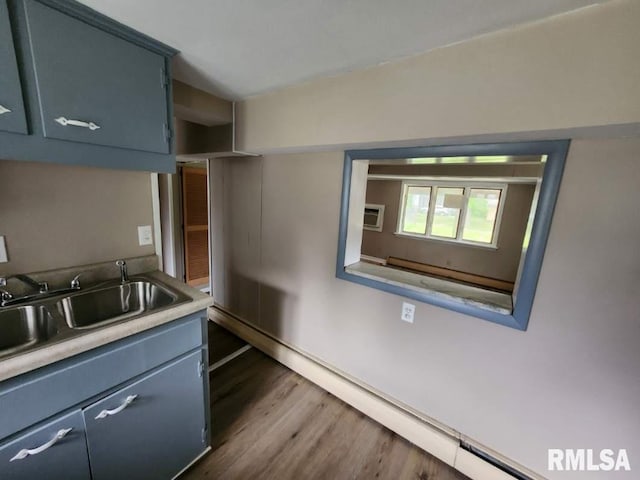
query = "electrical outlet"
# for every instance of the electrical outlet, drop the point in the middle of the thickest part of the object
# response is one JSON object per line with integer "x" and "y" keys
{"x": 408, "y": 310}
{"x": 4, "y": 258}
{"x": 145, "y": 235}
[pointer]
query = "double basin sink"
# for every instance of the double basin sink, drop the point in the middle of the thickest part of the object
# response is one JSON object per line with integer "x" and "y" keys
{"x": 53, "y": 319}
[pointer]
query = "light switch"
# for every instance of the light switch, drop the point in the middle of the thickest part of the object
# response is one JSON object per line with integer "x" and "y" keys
{"x": 4, "y": 258}
{"x": 145, "y": 235}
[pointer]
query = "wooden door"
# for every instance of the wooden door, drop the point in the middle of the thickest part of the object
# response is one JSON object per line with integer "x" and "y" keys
{"x": 195, "y": 216}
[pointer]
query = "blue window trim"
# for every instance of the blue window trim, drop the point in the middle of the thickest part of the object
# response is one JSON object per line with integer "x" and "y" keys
{"x": 556, "y": 152}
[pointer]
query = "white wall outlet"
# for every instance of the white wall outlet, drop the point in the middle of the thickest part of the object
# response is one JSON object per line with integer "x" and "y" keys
{"x": 4, "y": 258}
{"x": 408, "y": 310}
{"x": 145, "y": 235}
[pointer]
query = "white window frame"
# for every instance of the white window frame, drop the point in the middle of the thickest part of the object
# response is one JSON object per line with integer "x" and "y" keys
{"x": 466, "y": 185}
{"x": 380, "y": 219}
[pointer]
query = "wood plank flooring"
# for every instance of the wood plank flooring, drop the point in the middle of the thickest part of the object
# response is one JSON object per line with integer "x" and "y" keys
{"x": 270, "y": 423}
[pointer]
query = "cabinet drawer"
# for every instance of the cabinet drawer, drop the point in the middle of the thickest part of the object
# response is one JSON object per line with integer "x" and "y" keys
{"x": 152, "y": 428}
{"x": 52, "y": 458}
{"x": 34, "y": 396}
{"x": 95, "y": 87}
{"x": 12, "y": 116}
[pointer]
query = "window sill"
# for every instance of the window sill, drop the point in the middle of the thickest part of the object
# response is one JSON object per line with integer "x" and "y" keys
{"x": 445, "y": 240}
{"x": 496, "y": 302}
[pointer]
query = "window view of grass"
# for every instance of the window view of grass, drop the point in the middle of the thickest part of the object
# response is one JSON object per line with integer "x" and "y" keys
{"x": 480, "y": 221}
{"x": 445, "y": 219}
{"x": 480, "y": 207}
{"x": 416, "y": 208}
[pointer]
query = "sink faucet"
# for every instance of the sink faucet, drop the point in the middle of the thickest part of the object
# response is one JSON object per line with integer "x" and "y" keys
{"x": 8, "y": 299}
{"x": 124, "y": 276}
{"x": 40, "y": 287}
{"x": 4, "y": 295}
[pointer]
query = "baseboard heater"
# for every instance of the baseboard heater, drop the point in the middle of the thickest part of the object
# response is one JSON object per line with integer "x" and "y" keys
{"x": 494, "y": 461}
{"x": 447, "y": 273}
{"x": 426, "y": 433}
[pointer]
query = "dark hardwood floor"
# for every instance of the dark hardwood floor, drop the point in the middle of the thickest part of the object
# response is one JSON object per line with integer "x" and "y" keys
{"x": 270, "y": 423}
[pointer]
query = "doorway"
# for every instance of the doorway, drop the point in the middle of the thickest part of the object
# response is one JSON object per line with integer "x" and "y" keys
{"x": 195, "y": 225}
{"x": 184, "y": 213}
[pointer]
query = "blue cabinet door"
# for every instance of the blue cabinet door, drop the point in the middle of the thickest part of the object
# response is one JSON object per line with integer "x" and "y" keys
{"x": 55, "y": 451}
{"x": 95, "y": 87}
{"x": 12, "y": 116}
{"x": 151, "y": 429}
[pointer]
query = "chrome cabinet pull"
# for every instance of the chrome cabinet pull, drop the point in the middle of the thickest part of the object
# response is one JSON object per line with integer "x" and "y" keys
{"x": 77, "y": 123}
{"x": 25, "y": 452}
{"x": 128, "y": 401}
{"x": 4, "y": 109}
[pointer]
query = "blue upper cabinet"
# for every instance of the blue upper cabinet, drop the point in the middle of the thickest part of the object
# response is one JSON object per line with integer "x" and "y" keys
{"x": 95, "y": 91}
{"x": 12, "y": 116}
{"x": 94, "y": 87}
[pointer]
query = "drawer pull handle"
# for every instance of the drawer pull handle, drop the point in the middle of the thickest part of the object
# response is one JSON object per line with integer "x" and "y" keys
{"x": 77, "y": 123}
{"x": 24, "y": 453}
{"x": 4, "y": 109}
{"x": 127, "y": 401}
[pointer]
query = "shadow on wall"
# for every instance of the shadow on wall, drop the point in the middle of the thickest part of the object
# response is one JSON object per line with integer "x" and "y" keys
{"x": 264, "y": 306}
{"x": 247, "y": 379}
{"x": 242, "y": 294}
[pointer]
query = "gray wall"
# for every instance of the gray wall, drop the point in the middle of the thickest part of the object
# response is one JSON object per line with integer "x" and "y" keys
{"x": 570, "y": 381}
{"x": 59, "y": 216}
{"x": 501, "y": 263}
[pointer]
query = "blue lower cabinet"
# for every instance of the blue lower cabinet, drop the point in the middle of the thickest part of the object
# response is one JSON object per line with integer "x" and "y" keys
{"x": 56, "y": 450}
{"x": 152, "y": 428}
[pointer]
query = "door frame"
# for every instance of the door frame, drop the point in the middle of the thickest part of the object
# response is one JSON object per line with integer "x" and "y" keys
{"x": 170, "y": 217}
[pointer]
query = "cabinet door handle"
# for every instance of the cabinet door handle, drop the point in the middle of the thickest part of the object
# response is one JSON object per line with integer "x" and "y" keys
{"x": 25, "y": 452}
{"x": 77, "y": 123}
{"x": 127, "y": 401}
{"x": 4, "y": 109}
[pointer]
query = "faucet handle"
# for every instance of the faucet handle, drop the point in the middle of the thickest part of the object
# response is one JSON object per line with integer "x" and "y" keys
{"x": 3, "y": 282}
{"x": 5, "y": 297}
{"x": 75, "y": 282}
{"x": 44, "y": 287}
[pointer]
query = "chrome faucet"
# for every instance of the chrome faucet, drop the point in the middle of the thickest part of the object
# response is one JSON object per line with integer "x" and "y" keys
{"x": 8, "y": 299}
{"x": 40, "y": 287}
{"x": 4, "y": 295}
{"x": 124, "y": 276}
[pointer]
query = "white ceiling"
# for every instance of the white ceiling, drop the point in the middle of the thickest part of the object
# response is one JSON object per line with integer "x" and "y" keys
{"x": 238, "y": 48}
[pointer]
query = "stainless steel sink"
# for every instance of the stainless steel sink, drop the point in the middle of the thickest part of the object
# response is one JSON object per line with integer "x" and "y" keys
{"x": 25, "y": 327}
{"x": 116, "y": 302}
{"x": 59, "y": 317}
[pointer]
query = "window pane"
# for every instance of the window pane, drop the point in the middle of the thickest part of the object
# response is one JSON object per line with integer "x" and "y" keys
{"x": 447, "y": 212}
{"x": 479, "y": 224}
{"x": 416, "y": 207}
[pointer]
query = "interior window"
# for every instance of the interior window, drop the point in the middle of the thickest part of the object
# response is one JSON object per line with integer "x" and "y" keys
{"x": 467, "y": 229}
{"x": 416, "y": 209}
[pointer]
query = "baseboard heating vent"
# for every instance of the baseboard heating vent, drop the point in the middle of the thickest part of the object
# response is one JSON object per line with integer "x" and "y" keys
{"x": 493, "y": 461}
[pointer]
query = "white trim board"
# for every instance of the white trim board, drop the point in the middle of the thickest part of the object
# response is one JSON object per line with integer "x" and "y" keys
{"x": 229, "y": 357}
{"x": 195, "y": 460}
{"x": 157, "y": 219}
{"x": 438, "y": 440}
